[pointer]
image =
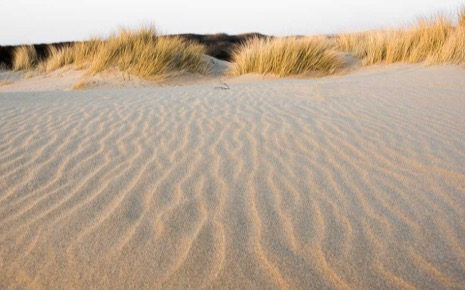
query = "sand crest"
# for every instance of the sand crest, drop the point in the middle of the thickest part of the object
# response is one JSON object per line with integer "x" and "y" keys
{"x": 334, "y": 183}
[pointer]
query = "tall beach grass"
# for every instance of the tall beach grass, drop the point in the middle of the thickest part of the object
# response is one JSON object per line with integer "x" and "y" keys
{"x": 57, "y": 58}
{"x": 286, "y": 56}
{"x": 147, "y": 55}
{"x": 439, "y": 39}
{"x": 140, "y": 52}
{"x": 25, "y": 57}
{"x": 436, "y": 40}
{"x": 453, "y": 50}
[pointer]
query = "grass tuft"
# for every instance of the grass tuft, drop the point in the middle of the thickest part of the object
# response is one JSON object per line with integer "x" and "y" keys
{"x": 24, "y": 58}
{"x": 434, "y": 40}
{"x": 141, "y": 52}
{"x": 82, "y": 85}
{"x": 461, "y": 17}
{"x": 286, "y": 56}
{"x": 85, "y": 52}
{"x": 57, "y": 58}
{"x": 145, "y": 54}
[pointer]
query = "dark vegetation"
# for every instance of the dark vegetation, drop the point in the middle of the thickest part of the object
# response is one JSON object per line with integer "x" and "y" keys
{"x": 220, "y": 46}
{"x": 6, "y": 52}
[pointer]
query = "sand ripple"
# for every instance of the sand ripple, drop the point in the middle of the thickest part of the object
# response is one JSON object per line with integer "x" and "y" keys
{"x": 353, "y": 182}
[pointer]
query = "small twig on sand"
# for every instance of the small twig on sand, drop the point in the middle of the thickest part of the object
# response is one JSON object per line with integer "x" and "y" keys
{"x": 224, "y": 87}
{"x": 129, "y": 76}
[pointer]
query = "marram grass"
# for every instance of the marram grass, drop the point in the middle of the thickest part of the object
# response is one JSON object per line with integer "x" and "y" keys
{"x": 145, "y": 54}
{"x": 24, "y": 58}
{"x": 435, "y": 41}
{"x": 57, "y": 58}
{"x": 286, "y": 56}
{"x": 140, "y": 52}
{"x": 438, "y": 40}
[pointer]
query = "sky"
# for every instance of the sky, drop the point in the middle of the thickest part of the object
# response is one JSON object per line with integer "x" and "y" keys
{"x": 45, "y": 21}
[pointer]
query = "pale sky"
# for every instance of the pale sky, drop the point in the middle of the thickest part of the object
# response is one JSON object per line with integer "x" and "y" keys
{"x": 42, "y": 21}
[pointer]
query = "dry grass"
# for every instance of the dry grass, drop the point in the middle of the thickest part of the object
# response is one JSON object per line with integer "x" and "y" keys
{"x": 25, "y": 57}
{"x": 146, "y": 55}
{"x": 461, "y": 17}
{"x": 30, "y": 74}
{"x": 82, "y": 85}
{"x": 57, "y": 58}
{"x": 85, "y": 52}
{"x": 286, "y": 56}
{"x": 453, "y": 50}
{"x": 434, "y": 40}
{"x": 140, "y": 52}
{"x": 5, "y": 82}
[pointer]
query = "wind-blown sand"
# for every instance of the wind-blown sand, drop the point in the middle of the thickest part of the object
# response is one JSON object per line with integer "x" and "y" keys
{"x": 349, "y": 182}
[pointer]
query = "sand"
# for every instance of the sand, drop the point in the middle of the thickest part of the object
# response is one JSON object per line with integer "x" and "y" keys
{"x": 334, "y": 183}
{"x": 66, "y": 78}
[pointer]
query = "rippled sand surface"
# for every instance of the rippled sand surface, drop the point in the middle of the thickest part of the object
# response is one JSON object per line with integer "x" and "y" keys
{"x": 351, "y": 182}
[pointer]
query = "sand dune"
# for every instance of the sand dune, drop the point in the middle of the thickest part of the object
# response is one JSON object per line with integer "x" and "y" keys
{"x": 350, "y": 182}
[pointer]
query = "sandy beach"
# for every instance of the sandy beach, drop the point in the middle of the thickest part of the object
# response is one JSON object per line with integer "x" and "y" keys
{"x": 356, "y": 181}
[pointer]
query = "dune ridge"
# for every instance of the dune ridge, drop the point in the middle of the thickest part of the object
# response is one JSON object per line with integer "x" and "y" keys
{"x": 332, "y": 183}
